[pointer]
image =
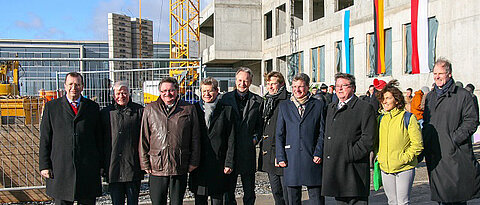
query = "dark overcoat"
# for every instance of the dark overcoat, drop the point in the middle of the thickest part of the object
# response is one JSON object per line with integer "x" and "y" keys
{"x": 121, "y": 129}
{"x": 449, "y": 122}
{"x": 72, "y": 147}
{"x": 217, "y": 150}
{"x": 266, "y": 157}
{"x": 298, "y": 140}
{"x": 349, "y": 136}
{"x": 248, "y": 127}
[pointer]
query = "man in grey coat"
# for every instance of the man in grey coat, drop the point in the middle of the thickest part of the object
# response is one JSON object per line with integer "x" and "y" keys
{"x": 450, "y": 120}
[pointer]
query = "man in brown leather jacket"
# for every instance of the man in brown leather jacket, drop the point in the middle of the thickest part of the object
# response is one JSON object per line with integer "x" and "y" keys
{"x": 169, "y": 143}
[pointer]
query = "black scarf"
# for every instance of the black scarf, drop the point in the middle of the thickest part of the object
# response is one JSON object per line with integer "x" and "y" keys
{"x": 270, "y": 103}
{"x": 444, "y": 89}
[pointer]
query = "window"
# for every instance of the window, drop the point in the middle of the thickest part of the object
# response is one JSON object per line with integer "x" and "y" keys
{"x": 317, "y": 9}
{"x": 318, "y": 64}
{"x": 342, "y": 4}
{"x": 295, "y": 65}
{"x": 281, "y": 64}
{"x": 268, "y": 66}
{"x": 268, "y": 25}
{"x": 280, "y": 19}
{"x": 371, "y": 57}
{"x": 432, "y": 44}
{"x": 338, "y": 56}
{"x": 298, "y": 13}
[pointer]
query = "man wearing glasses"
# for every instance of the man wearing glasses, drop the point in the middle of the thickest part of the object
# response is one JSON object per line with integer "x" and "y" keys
{"x": 71, "y": 146}
{"x": 169, "y": 143}
{"x": 349, "y": 135}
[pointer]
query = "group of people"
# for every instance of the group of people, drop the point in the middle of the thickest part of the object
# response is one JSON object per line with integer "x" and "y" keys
{"x": 323, "y": 141}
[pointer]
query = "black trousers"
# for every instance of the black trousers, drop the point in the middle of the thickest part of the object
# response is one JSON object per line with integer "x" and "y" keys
{"x": 454, "y": 203}
{"x": 118, "y": 191}
{"x": 160, "y": 186}
{"x": 352, "y": 200}
{"x": 90, "y": 201}
{"x": 279, "y": 190}
{"x": 216, "y": 199}
{"x": 248, "y": 183}
{"x": 314, "y": 195}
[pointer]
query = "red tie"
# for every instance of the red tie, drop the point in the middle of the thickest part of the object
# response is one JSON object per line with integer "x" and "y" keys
{"x": 74, "y": 107}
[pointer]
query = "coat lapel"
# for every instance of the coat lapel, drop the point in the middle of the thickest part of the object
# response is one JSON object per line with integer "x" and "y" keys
{"x": 81, "y": 108}
{"x": 66, "y": 106}
{"x": 216, "y": 113}
{"x": 293, "y": 109}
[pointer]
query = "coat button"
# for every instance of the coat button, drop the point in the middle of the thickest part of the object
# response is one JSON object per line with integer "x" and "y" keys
{"x": 120, "y": 154}
{"x": 329, "y": 137}
{"x": 120, "y": 132}
{"x": 328, "y": 157}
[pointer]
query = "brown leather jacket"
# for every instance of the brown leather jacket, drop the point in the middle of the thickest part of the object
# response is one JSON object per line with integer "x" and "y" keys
{"x": 169, "y": 142}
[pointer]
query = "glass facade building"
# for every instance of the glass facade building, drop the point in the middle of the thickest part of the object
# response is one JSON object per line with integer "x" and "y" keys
{"x": 36, "y": 75}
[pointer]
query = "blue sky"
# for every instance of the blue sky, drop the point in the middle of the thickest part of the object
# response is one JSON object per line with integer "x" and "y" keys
{"x": 77, "y": 19}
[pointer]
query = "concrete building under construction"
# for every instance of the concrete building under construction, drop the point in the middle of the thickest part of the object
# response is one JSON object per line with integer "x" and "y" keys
{"x": 293, "y": 36}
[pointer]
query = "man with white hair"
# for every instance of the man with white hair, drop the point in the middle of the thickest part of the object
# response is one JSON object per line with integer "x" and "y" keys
{"x": 122, "y": 122}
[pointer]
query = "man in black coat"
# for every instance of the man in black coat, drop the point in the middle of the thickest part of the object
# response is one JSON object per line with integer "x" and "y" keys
{"x": 450, "y": 120}
{"x": 350, "y": 129}
{"x": 122, "y": 122}
{"x": 249, "y": 123}
{"x": 266, "y": 159}
{"x": 213, "y": 176}
{"x": 71, "y": 146}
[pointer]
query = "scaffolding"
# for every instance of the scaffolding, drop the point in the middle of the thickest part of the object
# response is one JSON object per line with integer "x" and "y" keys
{"x": 184, "y": 39}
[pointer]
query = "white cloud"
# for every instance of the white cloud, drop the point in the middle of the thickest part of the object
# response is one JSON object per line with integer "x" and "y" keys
{"x": 34, "y": 22}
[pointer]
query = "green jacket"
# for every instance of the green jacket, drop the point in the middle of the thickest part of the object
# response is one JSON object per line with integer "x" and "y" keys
{"x": 398, "y": 147}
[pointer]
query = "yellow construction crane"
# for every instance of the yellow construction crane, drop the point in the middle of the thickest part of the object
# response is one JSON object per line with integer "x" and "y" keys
{"x": 184, "y": 40}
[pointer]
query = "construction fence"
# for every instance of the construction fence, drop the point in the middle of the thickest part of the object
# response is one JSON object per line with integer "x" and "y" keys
{"x": 20, "y": 179}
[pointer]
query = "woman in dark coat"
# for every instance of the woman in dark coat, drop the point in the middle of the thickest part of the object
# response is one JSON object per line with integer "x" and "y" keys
{"x": 212, "y": 177}
{"x": 266, "y": 159}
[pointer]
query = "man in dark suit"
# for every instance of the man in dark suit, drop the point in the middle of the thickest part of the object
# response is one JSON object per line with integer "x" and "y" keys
{"x": 299, "y": 142}
{"x": 212, "y": 177}
{"x": 246, "y": 106}
{"x": 350, "y": 128}
{"x": 71, "y": 146}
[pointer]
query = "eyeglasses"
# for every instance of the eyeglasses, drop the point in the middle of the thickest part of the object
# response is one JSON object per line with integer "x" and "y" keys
{"x": 344, "y": 86}
{"x": 74, "y": 85}
{"x": 168, "y": 91}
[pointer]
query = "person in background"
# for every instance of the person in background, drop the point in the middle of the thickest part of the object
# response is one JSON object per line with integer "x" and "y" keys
{"x": 415, "y": 106}
{"x": 459, "y": 84}
{"x": 425, "y": 91}
{"x": 350, "y": 131}
{"x": 408, "y": 99}
{"x": 169, "y": 143}
{"x": 71, "y": 146}
{"x": 267, "y": 162}
{"x": 212, "y": 177}
{"x": 248, "y": 126}
{"x": 299, "y": 150}
{"x": 314, "y": 90}
{"x": 398, "y": 144}
{"x": 122, "y": 122}
{"x": 450, "y": 120}
{"x": 471, "y": 88}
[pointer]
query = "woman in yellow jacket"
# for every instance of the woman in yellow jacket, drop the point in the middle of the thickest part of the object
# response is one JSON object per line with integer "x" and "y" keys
{"x": 398, "y": 145}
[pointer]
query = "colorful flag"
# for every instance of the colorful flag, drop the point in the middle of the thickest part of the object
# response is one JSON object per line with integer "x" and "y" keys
{"x": 379, "y": 36}
{"x": 346, "y": 42}
{"x": 419, "y": 36}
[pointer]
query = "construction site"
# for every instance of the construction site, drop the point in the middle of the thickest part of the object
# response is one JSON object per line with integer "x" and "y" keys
{"x": 289, "y": 36}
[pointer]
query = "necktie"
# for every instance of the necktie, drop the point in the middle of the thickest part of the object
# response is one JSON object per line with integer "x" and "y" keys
{"x": 300, "y": 110}
{"x": 341, "y": 104}
{"x": 75, "y": 104}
